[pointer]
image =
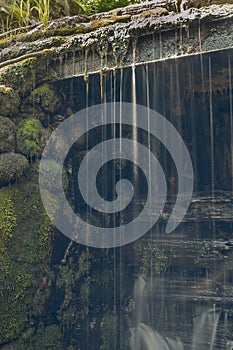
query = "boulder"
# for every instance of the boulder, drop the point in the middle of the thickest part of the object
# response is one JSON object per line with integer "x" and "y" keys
{"x": 12, "y": 167}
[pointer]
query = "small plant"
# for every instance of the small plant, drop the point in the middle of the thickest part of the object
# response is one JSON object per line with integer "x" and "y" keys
{"x": 42, "y": 7}
{"x": 25, "y": 11}
{"x": 94, "y": 6}
{"x": 152, "y": 258}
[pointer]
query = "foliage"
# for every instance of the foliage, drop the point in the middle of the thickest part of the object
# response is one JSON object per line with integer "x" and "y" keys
{"x": 152, "y": 258}
{"x": 21, "y": 13}
{"x": 24, "y": 252}
{"x": 42, "y": 7}
{"x": 95, "y": 6}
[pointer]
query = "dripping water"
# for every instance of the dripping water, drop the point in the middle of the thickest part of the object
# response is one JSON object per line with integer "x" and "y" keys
{"x": 144, "y": 337}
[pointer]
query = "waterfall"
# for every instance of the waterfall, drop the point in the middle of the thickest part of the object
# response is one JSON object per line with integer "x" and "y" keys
{"x": 144, "y": 337}
{"x": 205, "y": 327}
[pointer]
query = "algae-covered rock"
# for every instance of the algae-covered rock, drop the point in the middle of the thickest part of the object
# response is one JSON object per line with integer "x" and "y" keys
{"x": 12, "y": 167}
{"x": 24, "y": 258}
{"x": 31, "y": 137}
{"x": 9, "y": 101}
{"x": 46, "y": 97}
{"x": 7, "y": 135}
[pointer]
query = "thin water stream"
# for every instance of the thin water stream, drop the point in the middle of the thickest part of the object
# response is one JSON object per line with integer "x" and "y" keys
{"x": 165, "y": 291}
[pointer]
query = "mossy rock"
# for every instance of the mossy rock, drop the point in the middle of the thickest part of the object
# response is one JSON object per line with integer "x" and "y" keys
{"x": 7, "y": 135}
{"x": 9, "y": 101}
{"x": 12, "y": 167}
{"x": 31, "y": 138}
{"x": 24, "y": 257}
{"x": 21, "y": 76}
{"x": 46, "y": 97}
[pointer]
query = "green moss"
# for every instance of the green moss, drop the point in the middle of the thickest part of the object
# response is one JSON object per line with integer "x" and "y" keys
{"x": 20, "y": 76}
{"x": 46, "y": 97}
{"x": 151, "y": 258}
{"x": 25, "y": 251}
{"x": 7, "y": 135}
{"x": 31, "y": 137}
{"x": 9, "y": 101}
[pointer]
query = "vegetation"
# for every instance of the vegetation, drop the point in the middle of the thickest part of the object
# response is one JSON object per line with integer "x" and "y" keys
{"x": 152, "y": 258}
{"x": 24, "y": 254}
{"x": 9, "y": 101}
{"x": 94, "y": 6}
{"x": 22, "y": 13}
{"x": 31, "y": 138}
{"x": 12, "y": 167}
{"x": 20, "y": 77}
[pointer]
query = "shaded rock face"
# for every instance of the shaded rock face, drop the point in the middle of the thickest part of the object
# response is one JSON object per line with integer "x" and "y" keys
{"x": 7, "y": 135}
{"x": 73, "y": 295}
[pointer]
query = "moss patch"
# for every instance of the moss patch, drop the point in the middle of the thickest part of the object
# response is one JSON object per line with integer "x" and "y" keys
{"x": 25, "y": 251}
{"x": 9, "y": 101}
{"x": 31, "y": 138}
{"x": 12, "y": 167}
{"x": 46, "y": 97}
{"x": 7, "y": 135}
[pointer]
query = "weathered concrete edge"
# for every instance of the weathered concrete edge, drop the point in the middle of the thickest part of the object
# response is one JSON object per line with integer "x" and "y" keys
{"x": 197, "y": 38}
{"x": 151, "y": 45}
